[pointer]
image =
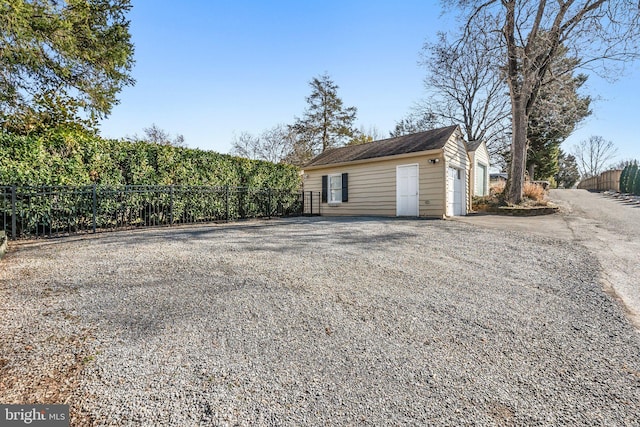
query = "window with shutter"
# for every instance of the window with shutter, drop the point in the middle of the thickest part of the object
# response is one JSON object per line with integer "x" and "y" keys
{"x": 345, "y": 187}
{"x": 325, "y": 180}
{"x": 335, "y": 188}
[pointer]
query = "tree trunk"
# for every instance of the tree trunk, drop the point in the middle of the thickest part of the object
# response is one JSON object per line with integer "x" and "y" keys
{"x": 518, "y": 152}
{"x": 532, "y": 171}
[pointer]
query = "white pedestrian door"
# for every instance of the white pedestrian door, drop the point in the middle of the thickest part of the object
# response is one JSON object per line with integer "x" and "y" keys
{"x": 455, "y": 192}
{"x": 407, "y": 190}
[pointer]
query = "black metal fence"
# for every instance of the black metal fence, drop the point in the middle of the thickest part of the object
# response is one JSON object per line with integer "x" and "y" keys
{"x": 32, "y": 212}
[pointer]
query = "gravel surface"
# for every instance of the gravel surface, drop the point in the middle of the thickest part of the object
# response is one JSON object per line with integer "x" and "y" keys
{"x": 608, "y": 227}
{"x": 318, "y": 322}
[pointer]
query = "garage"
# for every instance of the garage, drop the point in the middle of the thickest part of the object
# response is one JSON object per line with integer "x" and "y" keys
{"x": 423, "y": 174}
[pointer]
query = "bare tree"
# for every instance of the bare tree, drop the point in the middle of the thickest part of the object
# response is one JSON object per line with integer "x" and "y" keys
{"x": 599, "y": 32}
{"x": 417, "y": 121}
{"x": 245, "y": 145}
{"x": 302, "y": 150}
{"x": 594, "y": 155}
{"x": 157, "y": 135}
{"x": 277, "y": 143}
{"x": 558, "y": 111}
{"x": 465, "y": 86}
{"x": 273, "y": 145}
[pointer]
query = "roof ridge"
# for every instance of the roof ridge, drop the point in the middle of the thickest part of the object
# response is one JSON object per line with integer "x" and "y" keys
{"x": 415, "y": 142}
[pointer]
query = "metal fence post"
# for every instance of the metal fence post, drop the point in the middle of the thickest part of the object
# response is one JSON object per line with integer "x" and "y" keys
{"x": 14, "y": 226}
{"x": 94, "y": 207}
{"x": 269, "y": 203}
{"x": 171, "y": 207}
{"x": 310, "y": 203}
{"x": 226, "y": 202}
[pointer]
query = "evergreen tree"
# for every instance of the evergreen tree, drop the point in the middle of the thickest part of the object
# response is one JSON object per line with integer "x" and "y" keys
{"x": 631, "y": 179}
{"x": 554, "y": 117}
{"x": 626, "y": 177}
{"x": 326, "y": 122}
{"x": 568, "y": 173}
{"x": 62, "y": 62}
{"x": 623, "y": 179}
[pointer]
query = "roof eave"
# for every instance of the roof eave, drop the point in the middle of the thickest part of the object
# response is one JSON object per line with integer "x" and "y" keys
{"x": 376, "y": 159}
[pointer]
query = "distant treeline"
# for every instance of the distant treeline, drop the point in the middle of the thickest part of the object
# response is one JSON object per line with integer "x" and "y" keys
{"x": 71, "y": 157}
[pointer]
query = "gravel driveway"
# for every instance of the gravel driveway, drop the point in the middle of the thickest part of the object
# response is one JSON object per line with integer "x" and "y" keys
{"x": 317, "y": 322}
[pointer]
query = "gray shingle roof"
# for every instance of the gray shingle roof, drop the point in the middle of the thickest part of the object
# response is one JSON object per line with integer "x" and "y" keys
{"x": 473, "y": 145}
{"x": 422, "y": 141}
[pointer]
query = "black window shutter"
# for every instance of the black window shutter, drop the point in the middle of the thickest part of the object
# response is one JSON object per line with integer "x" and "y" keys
{"x": 325, "y": 179}
{"x": 345, "y": 187}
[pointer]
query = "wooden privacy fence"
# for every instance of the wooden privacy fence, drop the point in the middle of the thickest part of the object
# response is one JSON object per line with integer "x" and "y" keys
{"x": 32, "y": 212}
{"x": 606, "y": 181}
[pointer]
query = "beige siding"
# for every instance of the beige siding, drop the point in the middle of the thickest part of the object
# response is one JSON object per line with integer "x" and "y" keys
{"x": 482, "y": 155}
{"x": 372, "y": 186}
{"x": 456, "y": 156}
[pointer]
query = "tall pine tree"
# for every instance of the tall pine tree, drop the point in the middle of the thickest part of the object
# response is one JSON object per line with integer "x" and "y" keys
{"x": 326, "y": 122}
{"x": 62, "y": 61}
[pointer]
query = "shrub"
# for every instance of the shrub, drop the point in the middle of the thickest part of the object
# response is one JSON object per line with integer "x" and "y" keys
{"x": 533, "y": 191}
{"x": 497, "y": 188}
{"x": 623, "y": 179}
{"x": 484, "y": 203}
{"x": 71, "y": 157}
{"x": 630, "y": 179}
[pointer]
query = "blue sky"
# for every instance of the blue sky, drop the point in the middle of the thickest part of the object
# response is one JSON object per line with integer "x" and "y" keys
{"x": 212, "y": 69}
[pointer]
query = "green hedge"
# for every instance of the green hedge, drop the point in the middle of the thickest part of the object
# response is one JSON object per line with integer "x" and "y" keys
{"x": 68, "y": 157}
{"x": 630, "y": 179}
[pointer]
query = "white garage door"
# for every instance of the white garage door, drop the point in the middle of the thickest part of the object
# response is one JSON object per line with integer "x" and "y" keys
{"x": 455, "y": 192}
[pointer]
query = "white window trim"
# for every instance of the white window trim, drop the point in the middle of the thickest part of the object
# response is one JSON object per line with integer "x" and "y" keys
{"x": 329, "y": 194}
{"x": 485, "y": 180}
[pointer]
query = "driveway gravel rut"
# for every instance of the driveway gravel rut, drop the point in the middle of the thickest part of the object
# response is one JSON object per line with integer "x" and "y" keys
{"x": 315, "y": 321}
